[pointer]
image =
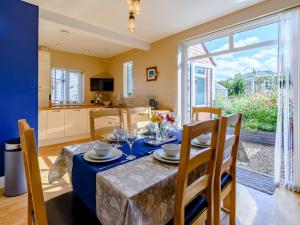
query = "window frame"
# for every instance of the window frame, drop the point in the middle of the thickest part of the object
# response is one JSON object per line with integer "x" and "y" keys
{"x": 230, "y": 32}
{"x": 67, "y": 91}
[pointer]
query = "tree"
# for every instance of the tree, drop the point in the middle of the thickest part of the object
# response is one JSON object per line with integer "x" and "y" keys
{"x": 236, "y": 86}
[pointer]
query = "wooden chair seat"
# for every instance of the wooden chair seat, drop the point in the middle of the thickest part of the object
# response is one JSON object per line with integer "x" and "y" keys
{"x": 68, "y": 209}
{"x": 193, "y": 209}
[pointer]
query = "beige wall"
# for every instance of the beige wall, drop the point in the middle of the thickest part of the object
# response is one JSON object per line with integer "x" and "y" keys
{"x": 163, "y": 54}
{"x": 91, "y": 66}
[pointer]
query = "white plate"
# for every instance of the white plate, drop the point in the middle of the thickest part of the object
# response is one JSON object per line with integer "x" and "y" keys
{"x": 162, "y": 154}
{"x": 118, "y": 153}
{"x": 199, "y": 144}
{"x": 158, "y": 157}
{"x": 93, "y": 155}
{"x": 112, "y": 138}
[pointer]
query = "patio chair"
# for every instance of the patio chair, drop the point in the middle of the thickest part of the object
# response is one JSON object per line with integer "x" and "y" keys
{"x": 194, "y": 201}
{"x": 225, "y": 172}
{"x": 65, "y": 209}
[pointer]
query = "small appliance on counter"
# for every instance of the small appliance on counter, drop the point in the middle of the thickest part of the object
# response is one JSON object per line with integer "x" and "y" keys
{"x": 153, "y": 103}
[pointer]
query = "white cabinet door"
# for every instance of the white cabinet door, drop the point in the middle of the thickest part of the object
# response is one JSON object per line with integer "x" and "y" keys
{"x": 44, "y": 78}
{"x": 55, "y": 124}
{"x": 42, "y": 130}
{"x": 44, "y": 70}
{"x": 76, "y": 122}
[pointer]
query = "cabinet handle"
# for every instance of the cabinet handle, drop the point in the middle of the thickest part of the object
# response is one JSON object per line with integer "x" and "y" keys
{"x": 77, "y": 110}
{"x": 55, "y": 110}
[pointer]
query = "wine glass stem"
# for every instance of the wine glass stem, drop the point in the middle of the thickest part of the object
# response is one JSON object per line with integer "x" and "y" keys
{"x": 130, "y": 149}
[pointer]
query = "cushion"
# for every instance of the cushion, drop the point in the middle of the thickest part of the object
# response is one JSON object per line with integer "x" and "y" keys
{"x": 193, "y": 209}
{"x": 225, "y": 180}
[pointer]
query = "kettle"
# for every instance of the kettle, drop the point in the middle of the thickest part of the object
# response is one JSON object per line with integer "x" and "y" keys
{"x": 153, "y": 103}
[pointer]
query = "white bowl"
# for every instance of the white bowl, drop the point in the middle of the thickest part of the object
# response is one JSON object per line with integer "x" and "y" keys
{"x": 204, "y": 138}
{"x": 171, "y": 150}
{"x": 101, "y": 148}
{"x": 106, "y": 103}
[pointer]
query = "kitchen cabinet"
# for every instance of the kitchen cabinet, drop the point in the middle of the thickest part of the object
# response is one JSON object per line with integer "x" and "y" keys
{"x": 55, "y": 124}
{"x": 76, "y": 122}
{"x": 42, "y": 127}
{"x": 44, "y": 78}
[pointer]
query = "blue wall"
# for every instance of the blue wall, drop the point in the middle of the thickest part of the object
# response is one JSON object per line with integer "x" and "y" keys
{"x": 18, "y": 68}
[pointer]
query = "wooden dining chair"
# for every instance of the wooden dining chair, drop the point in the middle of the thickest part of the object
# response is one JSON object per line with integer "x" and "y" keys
{"x": 65, "y": 209}
{"x": 194, "y": 202}
{"x": 102, "y": 122}
{"x": 205, "y": 113}
{"x": 225, "y": 172}
{"x": 137, "y": 117}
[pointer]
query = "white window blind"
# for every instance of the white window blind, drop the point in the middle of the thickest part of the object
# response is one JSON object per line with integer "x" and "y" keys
{"x": 128, "y": 79}
{"x": 66, "y": 86}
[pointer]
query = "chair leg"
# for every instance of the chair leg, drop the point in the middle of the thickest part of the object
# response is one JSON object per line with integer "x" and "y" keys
{"x": 217, "y": 210}
{"x": 232, "y": 206}
{"x": 29, "y": 211}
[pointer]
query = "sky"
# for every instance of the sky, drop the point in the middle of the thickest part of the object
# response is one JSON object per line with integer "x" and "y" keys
{"x": 245, "y": 61}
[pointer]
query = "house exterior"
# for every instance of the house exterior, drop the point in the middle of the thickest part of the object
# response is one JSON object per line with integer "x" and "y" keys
{"x": 260, "y": 81}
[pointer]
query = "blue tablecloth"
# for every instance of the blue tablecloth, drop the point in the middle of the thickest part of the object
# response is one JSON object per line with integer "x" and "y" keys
{"x": 84, "y": 173}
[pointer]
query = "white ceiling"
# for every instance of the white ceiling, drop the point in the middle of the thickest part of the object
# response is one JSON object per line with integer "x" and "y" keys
{"x": 109, "y": 18}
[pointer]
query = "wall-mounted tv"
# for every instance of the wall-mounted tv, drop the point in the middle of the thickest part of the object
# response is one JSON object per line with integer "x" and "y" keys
{"x": 102, "y": 84}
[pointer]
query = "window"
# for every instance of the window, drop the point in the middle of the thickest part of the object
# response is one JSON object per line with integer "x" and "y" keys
{"x": 243, "y": 56}
{"x": 199, "y": 70}
{"x": 261, "y": 34}
{"x": 67, "y": 86}
{"x": 217, "y": 45}
{"x": 128, "y": 79}
{"x": 200, "y": 90}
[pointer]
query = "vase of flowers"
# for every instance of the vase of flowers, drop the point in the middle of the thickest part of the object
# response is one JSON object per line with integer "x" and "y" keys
{"x": 162, "y": 120}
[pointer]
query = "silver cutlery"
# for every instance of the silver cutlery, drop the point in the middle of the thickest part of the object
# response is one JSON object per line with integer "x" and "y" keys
{"x": 114, "y": 164}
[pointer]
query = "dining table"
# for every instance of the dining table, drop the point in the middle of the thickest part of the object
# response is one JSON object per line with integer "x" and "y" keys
{"x": 122, "y": 192}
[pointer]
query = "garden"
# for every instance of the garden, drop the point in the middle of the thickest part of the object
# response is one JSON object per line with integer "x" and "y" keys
{"x": 259, "y": 109}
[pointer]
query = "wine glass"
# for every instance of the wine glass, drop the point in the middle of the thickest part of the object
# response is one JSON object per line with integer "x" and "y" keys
{"x": 118, "y": 133}
{"x": 131, "y": 137}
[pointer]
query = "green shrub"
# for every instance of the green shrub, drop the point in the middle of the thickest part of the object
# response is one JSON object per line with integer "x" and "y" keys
{"x": 259, "y": 110}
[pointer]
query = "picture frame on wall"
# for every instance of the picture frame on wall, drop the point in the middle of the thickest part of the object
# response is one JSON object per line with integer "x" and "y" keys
{"x": 151, "y": 73}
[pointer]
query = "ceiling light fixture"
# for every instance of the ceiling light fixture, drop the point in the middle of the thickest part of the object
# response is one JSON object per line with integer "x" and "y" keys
{"x": 134, "y": 7}
{"x": 131, "y": 24}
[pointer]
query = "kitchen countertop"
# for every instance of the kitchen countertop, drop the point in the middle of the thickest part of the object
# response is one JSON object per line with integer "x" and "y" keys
{"x": 78, "y": 107}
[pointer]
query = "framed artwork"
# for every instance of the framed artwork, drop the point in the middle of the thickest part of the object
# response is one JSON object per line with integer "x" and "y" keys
{"x": 152, "y": 73}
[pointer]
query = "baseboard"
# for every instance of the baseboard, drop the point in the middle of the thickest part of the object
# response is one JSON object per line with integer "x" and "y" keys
{"x": 1, "y": 182}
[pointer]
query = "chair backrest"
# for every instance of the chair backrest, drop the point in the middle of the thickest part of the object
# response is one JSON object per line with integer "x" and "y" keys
{"x": 138, "y": 117}
{"x": 36, "y": 205}
{"x": 205, "y": 113}
{"x": 184, "y": 192}
{"x": 102, "y": 122}
{"x": 228, "y": 143}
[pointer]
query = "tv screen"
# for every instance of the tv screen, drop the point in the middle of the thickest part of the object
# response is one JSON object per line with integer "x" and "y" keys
{"x": 102, "y": 84}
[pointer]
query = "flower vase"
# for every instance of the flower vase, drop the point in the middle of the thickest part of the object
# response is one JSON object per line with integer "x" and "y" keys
{"x": 161, "y": 132}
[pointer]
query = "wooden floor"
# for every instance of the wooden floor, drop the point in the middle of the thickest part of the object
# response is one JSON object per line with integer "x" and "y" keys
{"x": 253, "y": 207}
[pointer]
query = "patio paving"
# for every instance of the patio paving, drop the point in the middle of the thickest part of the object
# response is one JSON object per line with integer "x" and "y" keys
{"x": 261, "y": 158}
